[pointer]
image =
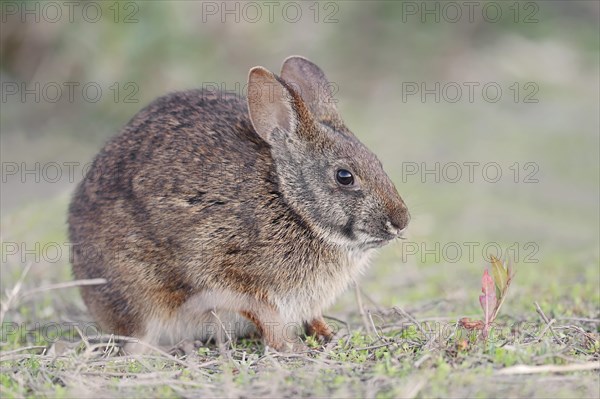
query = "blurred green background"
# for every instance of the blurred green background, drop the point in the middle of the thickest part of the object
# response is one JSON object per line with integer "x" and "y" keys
{"x": 544, "y": 57}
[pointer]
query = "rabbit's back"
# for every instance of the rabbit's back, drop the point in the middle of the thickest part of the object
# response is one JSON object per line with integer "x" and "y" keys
{"x": 194, "y": 134}
{"x": 183, "y": 154}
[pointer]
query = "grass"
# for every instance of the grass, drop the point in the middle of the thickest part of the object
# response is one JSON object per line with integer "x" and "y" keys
{"x": 401, "y": 361}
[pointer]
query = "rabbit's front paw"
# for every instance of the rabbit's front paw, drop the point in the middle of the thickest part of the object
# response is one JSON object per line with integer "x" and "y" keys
{"x": 319, "y": 328}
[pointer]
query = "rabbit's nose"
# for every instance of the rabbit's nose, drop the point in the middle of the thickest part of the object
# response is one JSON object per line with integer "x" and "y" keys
{"x": 399, "y": 218}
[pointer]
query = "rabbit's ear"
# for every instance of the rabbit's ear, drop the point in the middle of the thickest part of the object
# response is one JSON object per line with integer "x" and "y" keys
{"x": 269, "y": 104}
{"x": 309, "y": 81}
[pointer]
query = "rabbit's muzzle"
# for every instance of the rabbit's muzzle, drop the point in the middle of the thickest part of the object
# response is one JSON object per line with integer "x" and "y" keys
{"x": 398, "y": 219}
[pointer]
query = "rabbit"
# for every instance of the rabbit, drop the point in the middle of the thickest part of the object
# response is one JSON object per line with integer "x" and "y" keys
{"x": 212, "y": 211}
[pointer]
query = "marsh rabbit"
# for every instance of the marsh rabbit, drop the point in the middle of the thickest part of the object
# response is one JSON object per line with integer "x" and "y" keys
{"x": 210, "y": 211}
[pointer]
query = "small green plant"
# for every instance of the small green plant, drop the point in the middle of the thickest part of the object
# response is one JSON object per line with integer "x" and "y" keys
{"x": 494, "y": 289}
{"x": 312, "y": 342}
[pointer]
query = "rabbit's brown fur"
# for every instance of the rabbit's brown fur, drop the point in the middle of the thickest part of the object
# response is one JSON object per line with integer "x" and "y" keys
{"x": 213, "y": 210}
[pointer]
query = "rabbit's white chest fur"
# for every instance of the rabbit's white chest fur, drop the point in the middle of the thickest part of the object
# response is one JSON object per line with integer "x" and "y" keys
{"x": 310, "y": 300}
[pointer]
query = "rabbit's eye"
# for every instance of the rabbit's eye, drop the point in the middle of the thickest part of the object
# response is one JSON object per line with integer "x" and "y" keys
{"x": 344, "y": 177}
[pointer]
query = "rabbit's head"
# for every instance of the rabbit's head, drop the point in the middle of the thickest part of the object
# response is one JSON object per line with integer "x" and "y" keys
{"x": 325, "y": 173}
